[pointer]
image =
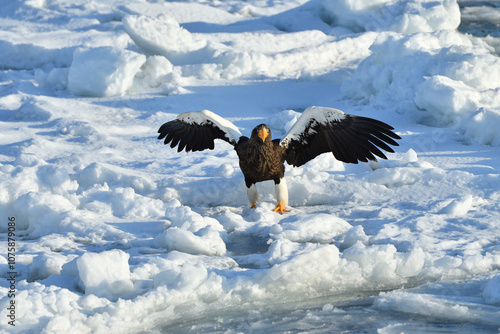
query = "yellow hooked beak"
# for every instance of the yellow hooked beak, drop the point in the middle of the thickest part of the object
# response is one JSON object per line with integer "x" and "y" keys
{"x": 263, "y": 134}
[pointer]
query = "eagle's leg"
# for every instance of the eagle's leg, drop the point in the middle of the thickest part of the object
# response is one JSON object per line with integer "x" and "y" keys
{"x": 252, "y": 194}
{"x": 281, "y": 195}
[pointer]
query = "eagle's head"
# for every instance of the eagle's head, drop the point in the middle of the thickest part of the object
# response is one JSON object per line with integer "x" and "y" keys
{"x": 261, "y": 133}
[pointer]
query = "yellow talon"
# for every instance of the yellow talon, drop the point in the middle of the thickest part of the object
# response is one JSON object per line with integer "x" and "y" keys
{"x": 252, "y": 206}
{"x": 280, "y": 208}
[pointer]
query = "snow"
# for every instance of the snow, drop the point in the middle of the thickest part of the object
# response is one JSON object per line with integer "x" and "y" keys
{"x": 103, "y": 71}
{"x": 105, "y": 274}
{"x": 116, "y": 232}
{"x": 491, "y": 291}
{"x": 400, "y": 16}
{"x": 162, "y": 35}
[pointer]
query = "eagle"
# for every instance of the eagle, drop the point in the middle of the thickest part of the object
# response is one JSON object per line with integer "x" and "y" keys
{"x": 318, "y": 130}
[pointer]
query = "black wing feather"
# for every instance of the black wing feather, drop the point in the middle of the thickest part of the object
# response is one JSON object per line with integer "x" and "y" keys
{"x": 333, "y": 145}
{"x": 377, "y": 142}
{"x": 169, "y": 138}
{"x": 360, "y": 151}
{"x": 176, "y": 138}
{"x": 364, "y": 150}
{"x": 343, "y": 145}
{"x": 183, "y": 140}
{"x": 350, "y": 139}
{"x": 386, "y": 138}
{"x": 192, "y": 137}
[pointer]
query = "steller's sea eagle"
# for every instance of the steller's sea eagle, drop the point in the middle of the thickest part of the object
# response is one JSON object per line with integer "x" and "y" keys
{"x": 318, "y": 130}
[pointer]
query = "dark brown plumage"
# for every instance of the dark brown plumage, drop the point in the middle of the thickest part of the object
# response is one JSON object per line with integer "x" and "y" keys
{"x": 319, "y": 130}
{"x": 260, "y": 160}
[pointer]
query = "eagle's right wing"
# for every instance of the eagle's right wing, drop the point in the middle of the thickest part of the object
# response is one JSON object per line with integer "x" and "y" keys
{"x": 196, "y": 131}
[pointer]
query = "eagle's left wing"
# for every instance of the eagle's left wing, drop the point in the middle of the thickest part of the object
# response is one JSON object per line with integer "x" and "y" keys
{"x": 350, "y": 138}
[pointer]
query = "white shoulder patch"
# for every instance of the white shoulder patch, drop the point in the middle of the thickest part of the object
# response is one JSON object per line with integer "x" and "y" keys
{"x": 309, "y": 117}
{"x": 324, "y": 114}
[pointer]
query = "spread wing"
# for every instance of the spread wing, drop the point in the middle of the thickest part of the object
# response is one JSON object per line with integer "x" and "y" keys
{"x": 196, "y": 131}
{"x": 350, "y": 138}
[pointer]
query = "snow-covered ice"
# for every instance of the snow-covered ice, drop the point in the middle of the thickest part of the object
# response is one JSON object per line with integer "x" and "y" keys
{"x": 117, "y": 233}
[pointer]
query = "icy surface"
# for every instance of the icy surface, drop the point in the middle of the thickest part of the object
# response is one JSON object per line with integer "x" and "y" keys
{"x": 117, "y": 233}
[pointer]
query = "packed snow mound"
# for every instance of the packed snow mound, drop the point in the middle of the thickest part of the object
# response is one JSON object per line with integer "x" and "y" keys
{"x": 185, "y": 278}
{"x": 162, "y": 35}
{"x": 319, "y": 229}
{"x": 444, "y": 78}
{"x": 482, "y": 125}
{"x": 40, "y": 214}
{"x": 433, "y": 307}
{"x": 157, "y": 74}
{"x": 191, "y": 233}
{"x": 372, "y": 266}
{"x": 225, "y": 56}
{"x": 382, "y": 263}
{"x": 206, "y": 241}
{"x": 491, "y": 291}
{"x": 103, "y": 71}
{"x": 29, "y": 56}
{"x": 45, "y": 265}
{"x": 105, "y": 274}
{"x": 408, "y": 16}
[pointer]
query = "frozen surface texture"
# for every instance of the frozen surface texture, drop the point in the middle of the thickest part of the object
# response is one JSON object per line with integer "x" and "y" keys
{"x": 116, "y": 233}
